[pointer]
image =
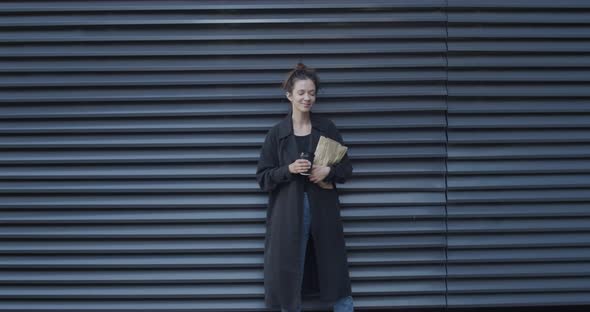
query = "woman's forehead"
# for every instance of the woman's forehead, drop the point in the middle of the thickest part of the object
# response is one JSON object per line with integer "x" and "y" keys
{"x": 304, "y": 85}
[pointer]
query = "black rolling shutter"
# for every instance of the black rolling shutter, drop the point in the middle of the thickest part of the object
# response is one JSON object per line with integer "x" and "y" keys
{"x": 130, "y": 132}
{"x": 518, "y": 162}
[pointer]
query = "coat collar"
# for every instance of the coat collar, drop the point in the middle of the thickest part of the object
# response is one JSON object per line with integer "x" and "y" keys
{"x": 286, "y": 125}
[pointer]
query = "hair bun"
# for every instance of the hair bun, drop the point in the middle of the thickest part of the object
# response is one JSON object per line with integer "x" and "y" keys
{"x": 300, "y": 72}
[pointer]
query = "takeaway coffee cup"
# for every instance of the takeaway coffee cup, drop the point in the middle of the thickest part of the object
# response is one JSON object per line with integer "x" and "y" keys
{"x": 306, "y": 156}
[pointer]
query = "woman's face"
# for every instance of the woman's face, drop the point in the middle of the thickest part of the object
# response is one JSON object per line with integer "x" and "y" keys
{"x": 303, "y": 96}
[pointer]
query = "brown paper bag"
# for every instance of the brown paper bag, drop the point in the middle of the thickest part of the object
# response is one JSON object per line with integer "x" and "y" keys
{"x": 327, "y": 153}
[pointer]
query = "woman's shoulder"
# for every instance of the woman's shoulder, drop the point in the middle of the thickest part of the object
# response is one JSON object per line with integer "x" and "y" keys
{"x": 324, "y": 122}
{"x": 329, "y": 128}
{"x": 276, "y": 129}
{"x": 327, "y": 125}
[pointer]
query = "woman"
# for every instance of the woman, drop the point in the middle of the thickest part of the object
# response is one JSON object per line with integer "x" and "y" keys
{"x": 304, "y": 250}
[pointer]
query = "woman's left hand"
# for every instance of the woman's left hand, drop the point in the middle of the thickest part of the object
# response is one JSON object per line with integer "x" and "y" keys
{"x": 319, "y": 173}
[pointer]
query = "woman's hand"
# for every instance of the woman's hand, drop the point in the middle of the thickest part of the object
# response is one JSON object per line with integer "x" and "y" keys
{"x": 318, "y": 173}
{"x": 299, "y": 166}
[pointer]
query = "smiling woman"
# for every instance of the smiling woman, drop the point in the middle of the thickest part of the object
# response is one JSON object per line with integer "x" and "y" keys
{"x": 299, "y": 210}
{"x": 301, "y": 87}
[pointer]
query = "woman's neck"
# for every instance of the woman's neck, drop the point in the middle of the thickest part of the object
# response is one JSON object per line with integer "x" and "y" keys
{"x": 300, "y": 119}
{"x": 301, "y": 123}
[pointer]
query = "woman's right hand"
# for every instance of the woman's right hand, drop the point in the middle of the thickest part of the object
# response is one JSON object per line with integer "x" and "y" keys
{"x": 299, "y": 166}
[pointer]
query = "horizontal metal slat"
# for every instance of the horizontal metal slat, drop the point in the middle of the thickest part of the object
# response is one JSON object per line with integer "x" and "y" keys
{"x": 87, "y": 246}
{"x": 520, "y": 75}
{"x": 127, "y": 216}
{"x": 150, "y": 276}
{"x": 134, "y": 231}
{"x": 541, "y": 15}
{"x": 519, "y": 224}
{"x": 184, "y": 78}
{"x": 237, "y": 107}
{"x": 509, "y": 210}
{"x": 212, "y": 276}
{"x": 533, "y": 46}
{"x": 199, "y": 93}
{"x": 507, "y": 31}
{"x": 518, "y": 106}
{"x": 362, "y": 167}
{"x": 489, "y": 136}
{"x": 532, "y": 89}
{"x": 206, "y": 139}
{"x": 244, "y": 18}
{"x": 515, "y": 166}
{"x": 89, "y": 6}
{"x": 564, "y": 195}
{"x": 248, "y": 48}
{"x": 511, "y": 299}
{"x": 516, "y": 151}
{"x": 513, "y": 240}
{"x": 209, "y": 124}
{"x": 564, "y": 284}
{"x": 196, "y": 31}
{"x": 146, "y": 258}
{"x": 78, "y": 292}
{"x": 519, "y": 60}
{"x": 521, "y": 254}
{"x": 520, "y": 181}
{"x": 134, "y": 201}
{"x": 381, "y": 183}
{"x": 212, "y": 62}
{"x": 202, "y": 215}
{"x": 519, "y": 270}
{"x": 170, "y": 304}
{"x": 196, "y": 258}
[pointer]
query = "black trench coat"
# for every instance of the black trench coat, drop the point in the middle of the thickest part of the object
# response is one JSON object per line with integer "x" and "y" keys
{"x": 326, "y": 267}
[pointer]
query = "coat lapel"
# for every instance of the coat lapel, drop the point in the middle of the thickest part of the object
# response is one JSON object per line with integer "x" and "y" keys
{"x": 287, "y": 142}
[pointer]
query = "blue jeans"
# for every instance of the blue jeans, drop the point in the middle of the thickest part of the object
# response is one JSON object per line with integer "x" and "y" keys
{"x": 344, "y": 304}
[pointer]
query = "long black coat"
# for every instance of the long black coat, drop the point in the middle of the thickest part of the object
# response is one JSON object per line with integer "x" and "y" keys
{"x": 326, "y": 266}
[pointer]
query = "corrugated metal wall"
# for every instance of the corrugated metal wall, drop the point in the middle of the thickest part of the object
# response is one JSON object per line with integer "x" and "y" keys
{"x": 518, "y": 153}
{"x": 130, "y": 131}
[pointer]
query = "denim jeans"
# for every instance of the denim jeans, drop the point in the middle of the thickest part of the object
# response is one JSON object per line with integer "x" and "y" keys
{"x": 344, "y": 304}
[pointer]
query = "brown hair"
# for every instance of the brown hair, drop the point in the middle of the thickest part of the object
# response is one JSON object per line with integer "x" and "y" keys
{"x": 300, "y": 72}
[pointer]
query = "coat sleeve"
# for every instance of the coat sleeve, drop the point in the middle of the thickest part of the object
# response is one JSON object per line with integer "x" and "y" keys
{"x": 268, "y": 172}
{"x": 341, "y": 171}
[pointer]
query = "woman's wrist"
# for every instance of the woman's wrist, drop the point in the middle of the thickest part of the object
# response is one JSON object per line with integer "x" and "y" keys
{"x": 330, "y": 174}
